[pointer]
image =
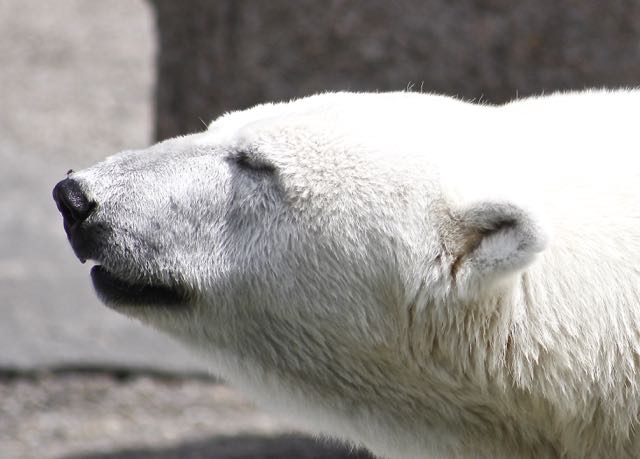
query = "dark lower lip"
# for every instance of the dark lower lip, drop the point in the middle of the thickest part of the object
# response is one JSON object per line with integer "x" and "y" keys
{"x": 116, "y": 292}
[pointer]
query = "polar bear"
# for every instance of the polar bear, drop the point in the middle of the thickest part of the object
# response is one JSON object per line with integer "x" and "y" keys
{"x": 416, "y": 274}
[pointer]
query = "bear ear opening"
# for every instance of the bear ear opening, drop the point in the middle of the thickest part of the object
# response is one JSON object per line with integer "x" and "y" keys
{"x": 492, "y": 240}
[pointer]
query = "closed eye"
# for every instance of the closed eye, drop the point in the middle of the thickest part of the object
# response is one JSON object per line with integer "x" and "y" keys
{"x": 249, "y": 162}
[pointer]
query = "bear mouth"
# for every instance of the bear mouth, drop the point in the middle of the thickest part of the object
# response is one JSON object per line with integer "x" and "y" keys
{"x": 114, "y": 291}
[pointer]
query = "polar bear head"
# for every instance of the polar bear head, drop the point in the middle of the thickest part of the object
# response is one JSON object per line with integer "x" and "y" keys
{"x": 305, "y": 238}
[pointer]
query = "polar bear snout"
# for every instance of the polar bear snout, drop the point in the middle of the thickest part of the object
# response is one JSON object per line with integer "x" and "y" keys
{"x": 93, "y": 237}
{"x": 75, "y": 207}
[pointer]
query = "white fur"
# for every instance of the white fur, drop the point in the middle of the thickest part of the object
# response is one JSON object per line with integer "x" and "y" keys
{"x": 420, "y": 275}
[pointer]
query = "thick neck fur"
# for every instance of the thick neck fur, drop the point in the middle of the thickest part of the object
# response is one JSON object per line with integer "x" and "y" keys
{"x": 512, "y": 350}
{"x": 563, "y": 368}
{"x": 496, "y": 373}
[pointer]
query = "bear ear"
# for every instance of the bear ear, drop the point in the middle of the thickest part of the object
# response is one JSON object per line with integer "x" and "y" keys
{"x": 489, "y": 241}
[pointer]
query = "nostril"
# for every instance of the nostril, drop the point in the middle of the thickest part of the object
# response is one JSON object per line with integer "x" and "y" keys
{"x": 72, "y": 202}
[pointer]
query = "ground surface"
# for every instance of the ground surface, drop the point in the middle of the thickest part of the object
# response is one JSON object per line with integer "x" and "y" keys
{"x": 106, "y": 416}
{"x": 76, "y": 79}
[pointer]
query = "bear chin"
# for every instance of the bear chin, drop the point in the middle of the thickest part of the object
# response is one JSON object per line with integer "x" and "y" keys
{"x": 114, "y": 291}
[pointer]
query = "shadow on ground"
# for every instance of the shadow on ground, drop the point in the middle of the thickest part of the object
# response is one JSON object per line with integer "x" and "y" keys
{"x": 238, "y": 447}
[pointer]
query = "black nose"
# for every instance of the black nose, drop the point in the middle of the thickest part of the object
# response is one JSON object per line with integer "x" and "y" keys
{"x": 72, "y": 202}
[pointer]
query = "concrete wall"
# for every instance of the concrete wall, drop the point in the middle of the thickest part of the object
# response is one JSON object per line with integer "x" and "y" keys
{"x": 228, "y": 54}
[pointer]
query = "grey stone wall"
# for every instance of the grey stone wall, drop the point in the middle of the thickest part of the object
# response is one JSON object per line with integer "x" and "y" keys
{"x": 216, "y": 56}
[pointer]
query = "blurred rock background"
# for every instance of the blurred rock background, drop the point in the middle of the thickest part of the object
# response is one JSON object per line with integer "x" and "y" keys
{"x": 241, "y": 52}
{"x": 82, "y": 79}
